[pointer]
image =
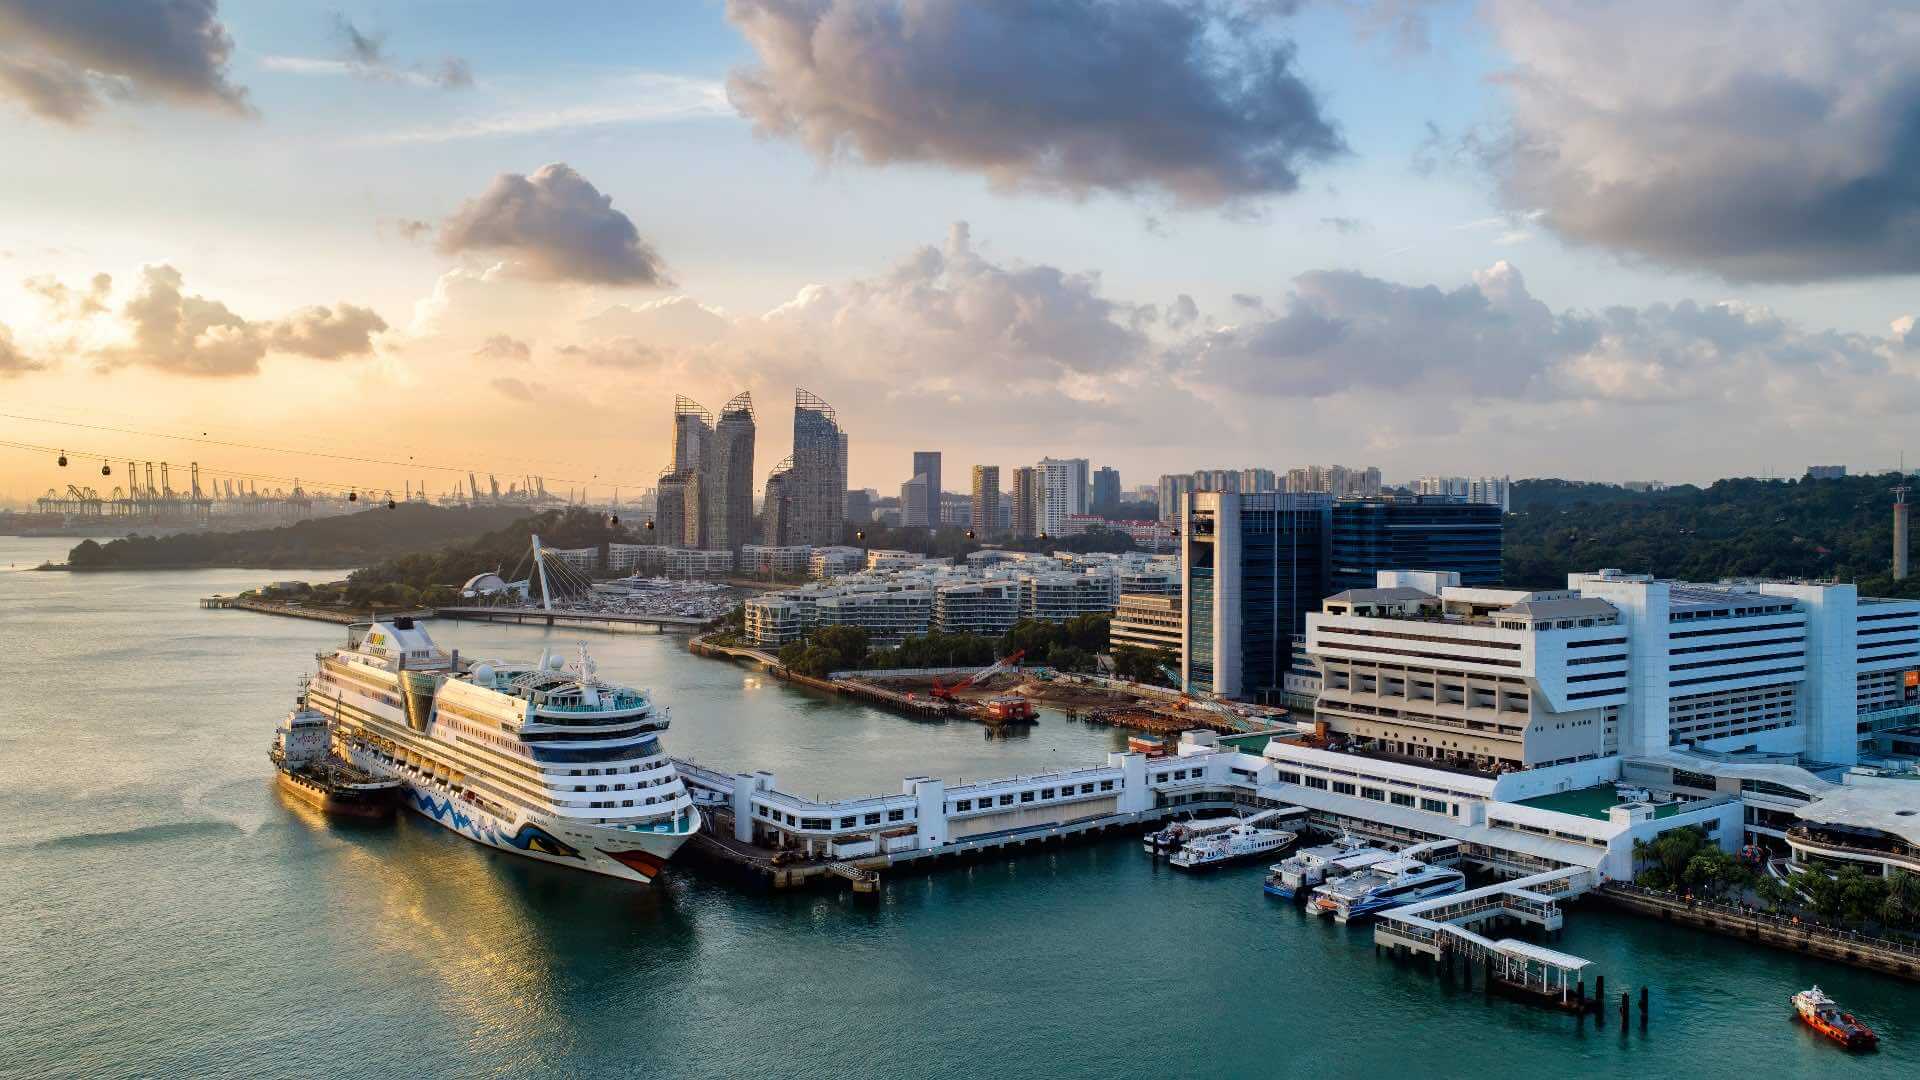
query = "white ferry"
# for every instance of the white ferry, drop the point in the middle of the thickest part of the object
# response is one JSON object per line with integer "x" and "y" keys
{"x": 1242, "y": 841}
{"x": 1386, "y": 884}
{"x": 1180, "y": 833}
{"x": 543, "y": 760}
{"x": 1309, "y": 867}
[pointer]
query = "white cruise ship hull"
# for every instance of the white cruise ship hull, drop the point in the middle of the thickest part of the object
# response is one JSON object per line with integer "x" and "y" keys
{"x": 628, "y": 854}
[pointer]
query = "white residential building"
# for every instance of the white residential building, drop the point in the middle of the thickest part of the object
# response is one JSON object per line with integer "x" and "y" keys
{"x": 831, "y": 562}
{"x": 977, "y": 607}
{"x": 787, "y": 561}
{"x": 1063, "y": 492}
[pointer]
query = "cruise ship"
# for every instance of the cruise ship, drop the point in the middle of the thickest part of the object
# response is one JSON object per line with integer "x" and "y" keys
{"x": 544, "y": 760}
{"x": 1386, "y": 884}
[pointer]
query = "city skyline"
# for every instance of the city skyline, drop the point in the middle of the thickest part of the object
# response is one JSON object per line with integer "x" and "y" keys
{"x": 518, "y": 226}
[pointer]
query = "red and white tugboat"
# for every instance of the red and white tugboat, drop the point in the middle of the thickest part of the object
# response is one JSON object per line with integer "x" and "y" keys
{"x": 1823, "y": 1015}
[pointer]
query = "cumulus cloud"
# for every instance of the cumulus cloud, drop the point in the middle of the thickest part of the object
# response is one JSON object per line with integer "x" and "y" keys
{"x": 13, "y": 362}
{"x": 325, "y": 333}
{"x": 1345, "y": 333}
{"x": 63, "y": 59}
{"x": 1764, "y": 141}
{"x": 556, "y": 226}
{"x": 504, "y": 348}
{"x": 1196, "y": 99}
{"x": 172, "y": 330}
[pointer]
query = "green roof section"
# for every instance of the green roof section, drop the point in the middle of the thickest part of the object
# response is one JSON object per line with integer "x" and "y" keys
{"x": 1591, "y": 802}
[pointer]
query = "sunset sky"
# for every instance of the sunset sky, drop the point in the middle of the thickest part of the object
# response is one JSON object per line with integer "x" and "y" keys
{"x": 1594, "y": 240}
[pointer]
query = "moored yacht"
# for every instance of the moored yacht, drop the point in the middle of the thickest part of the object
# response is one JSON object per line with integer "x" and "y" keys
{"x": 545, "y": 760}
{"x": 1386, "y": 884}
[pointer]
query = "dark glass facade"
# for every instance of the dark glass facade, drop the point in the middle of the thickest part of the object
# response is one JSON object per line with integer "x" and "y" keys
{"x": 1279, "y": 571}
{"x": 1415, "y": 533}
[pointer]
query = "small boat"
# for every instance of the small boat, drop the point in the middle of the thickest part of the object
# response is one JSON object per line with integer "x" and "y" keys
{"x": 1823, "y": 1015}
{"x": 1309, "y": 867}
{"x": 1243, "y": 841}
{"x": 309, "y": 769}
{"x": 1389, "y": 883}
{"x": 1179, "y": 834}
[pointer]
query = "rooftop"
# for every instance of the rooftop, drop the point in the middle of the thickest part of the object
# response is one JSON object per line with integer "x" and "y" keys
{"x": 1590, "y": 802}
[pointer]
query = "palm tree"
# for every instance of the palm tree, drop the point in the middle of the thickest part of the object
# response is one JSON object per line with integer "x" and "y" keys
{"x": 1901, "y": 908}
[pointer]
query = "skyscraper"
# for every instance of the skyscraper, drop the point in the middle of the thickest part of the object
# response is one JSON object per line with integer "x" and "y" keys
{"x": 726, "y": 477}
{"x": 927, "y": 463}
{"x": 985, "y": 518}
{"x": 1063, "y": 492}
{"x": 917, "y": 510}
{"x": 776, "y": 511}
{"x": 817, "y": 488}
{"x": 685, "y": 524}
{"x": 1025, "y": 517}
{"x": 1106, "y": 490}
{"x": 1173, "y": 495}
{"x": 1252, "y": 567}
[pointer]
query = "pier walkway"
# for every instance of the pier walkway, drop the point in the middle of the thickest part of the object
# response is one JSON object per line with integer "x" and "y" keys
{"x": 1442, "y": 928}
{"x": 1829, "y": 943}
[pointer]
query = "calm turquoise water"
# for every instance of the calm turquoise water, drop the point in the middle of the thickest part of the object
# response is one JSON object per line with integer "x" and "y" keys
{"x": 166, "y": 914}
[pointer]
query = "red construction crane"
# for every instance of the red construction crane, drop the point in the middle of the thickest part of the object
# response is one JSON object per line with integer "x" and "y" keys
{"x": 947, "y": 693}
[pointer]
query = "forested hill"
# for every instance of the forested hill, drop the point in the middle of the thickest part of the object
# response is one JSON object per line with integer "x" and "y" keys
{"x": 1840, "y": 529}
{"x": 347, "y": 540}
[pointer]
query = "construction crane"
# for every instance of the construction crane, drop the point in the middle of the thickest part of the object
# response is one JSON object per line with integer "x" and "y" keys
{"x": 947, "y": 692}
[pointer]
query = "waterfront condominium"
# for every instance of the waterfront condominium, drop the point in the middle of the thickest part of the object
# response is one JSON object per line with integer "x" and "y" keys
{"x": 1253, "y": 566}
{"x": 984, "y": 514}
{"x": 816, "y": 485}
{"x": 1415, "y": 533}
{"x": 1063, "y": 492}
{"x": 726, "y": 477}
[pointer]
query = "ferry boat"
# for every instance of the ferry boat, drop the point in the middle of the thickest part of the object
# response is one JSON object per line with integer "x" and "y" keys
{"x": 1177, "y": 835}
{"x": 1386, "y": 884}
{"x": 1242, "y": 841}
{"x": 309, "y": 770}
{"x": 1823, "y": 1015}
{"x": 544, "y": 760}
{"x": 1309, "y": 867}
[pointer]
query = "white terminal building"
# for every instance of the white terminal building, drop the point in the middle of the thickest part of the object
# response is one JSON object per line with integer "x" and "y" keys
{"x": 903, "y": 595}
{"x": 1780, "y": 702}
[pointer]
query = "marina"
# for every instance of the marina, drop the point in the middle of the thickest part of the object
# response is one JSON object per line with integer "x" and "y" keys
{"x": 424, "y": 919}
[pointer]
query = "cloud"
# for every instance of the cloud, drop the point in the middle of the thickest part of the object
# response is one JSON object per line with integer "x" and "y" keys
{"x": 516, "y": 389}
{"x": 1345, "y": 333}
{"x": 1196, "y": 99}
{"x": 557, "y": 227}
{"x": 326, "y": 333}
{"x": 627, "y": 353}
{"x": 1345, "y": 226}
{"x": 1758, "y": 141}
{"x": 13, "y": 362}
{"x": 68, "y": 303}
{"x": 171, "y": 330}
{"x": 503, "y": 348}
{"x": 63, "y": 59}
{"x": 365, "y": 56}
{"x": 637, "y": 98}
